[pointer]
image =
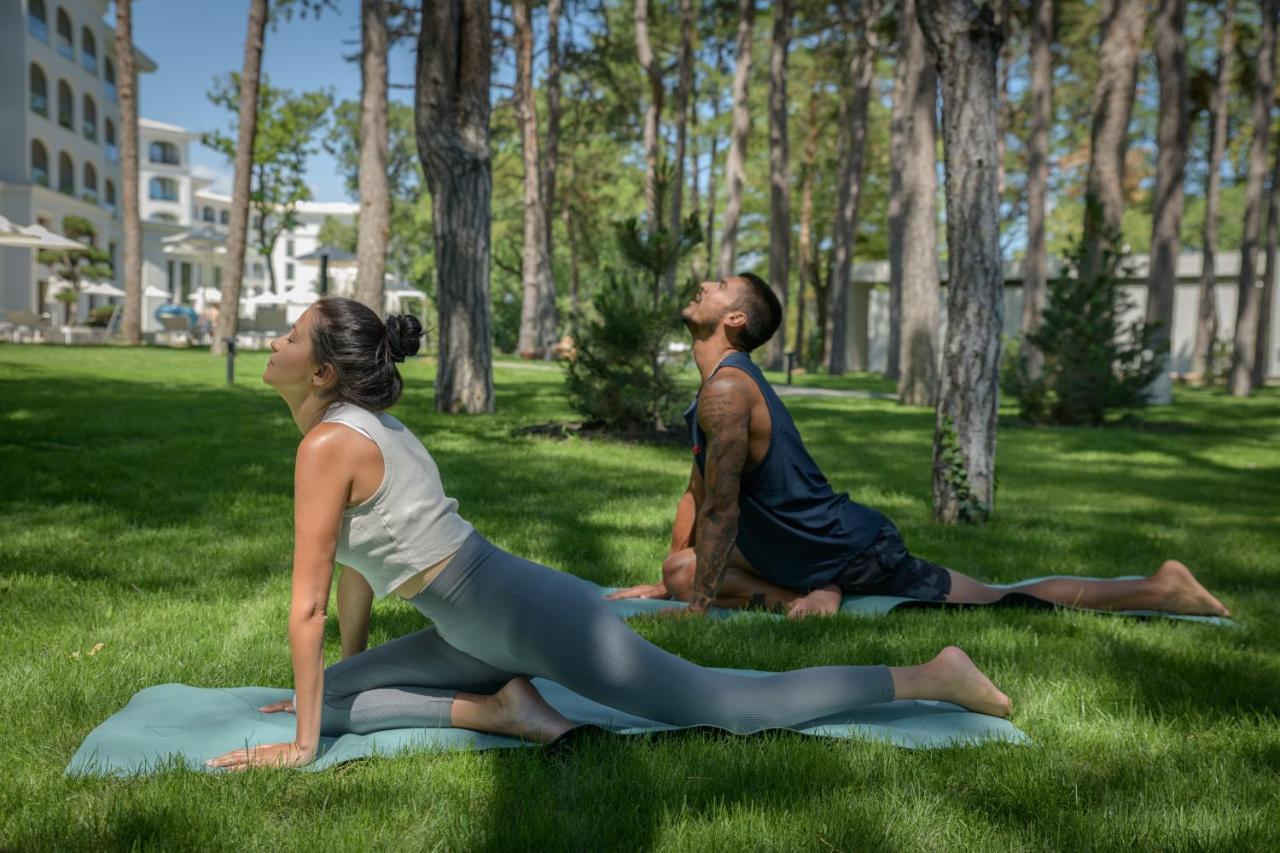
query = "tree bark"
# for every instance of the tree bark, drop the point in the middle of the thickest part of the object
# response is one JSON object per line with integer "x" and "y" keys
{"x": 711, "y": 165}
{"x": 736, "y": 166}
{"x": 653, "y": 111}
{"x": 1035, "y": 277}
{"x": 862, "y": 67}
{"x": 1245, "y": 350}
{"x": 538, "y": 307}
{"x": 1005, "y": 108}
{"x": 966, "y": 42}
{"x": 779, "y": 178}
{"x": 808, "y": 256}
{"x": 551, "y": 156}
{"x": 687, "y": 16}
{"x": 374, "y": 222}
{"x": 1262, "y": 358}
{"x": 229, "y": 315}
{"x": 1166, "y": 226}
{"x": 1207, "y": 313}
{"x": 451, "y": 117}
{"x": 127, "y": 83}
{"x": 1109, "y": 140}
{"x": 913, "y": 219}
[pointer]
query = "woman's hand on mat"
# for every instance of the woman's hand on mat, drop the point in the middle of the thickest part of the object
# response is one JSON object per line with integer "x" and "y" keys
{"x": 267, "y": 755}
{"x": 644, "y": 590}
{"x": 285, "y": 705}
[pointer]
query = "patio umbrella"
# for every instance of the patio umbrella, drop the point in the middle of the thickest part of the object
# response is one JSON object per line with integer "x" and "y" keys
{"x": 267, "y": 298}
{"x": 102, "y": 288}
{"x": 327, "y": 256}
{"x": 33, "y": 237}
{"x": 153, "y": 292}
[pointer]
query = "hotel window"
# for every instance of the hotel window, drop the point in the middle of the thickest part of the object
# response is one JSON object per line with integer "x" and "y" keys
{"x": 288, "y": 248}
{"x": 224, "y": 217}
{"x": 163, "y": 189}
{"x": 207, "y": 214}
{"x": 257, "y": 270}
{"x": 109, "y": 195}
{"x": 89, "y": 119}
{"x": 66, "y": 106}
{"x": 163, "y": 152}
{"x": 288, "y": 272}
{"x": 63, "y": 40}
{"x": 111, "y": 255}
{"x": 39, "y": 164}
{"x": 109, "y": 139}
{"x": 66, "y": 174}
{"x": 38, "y": 20}
{"x": 109, "y": 77}
{"x": 90, "y": 191}
{"x": 88, "y": 51}
{"x": 217, "y": 278}
{"x": 39, "y": 91}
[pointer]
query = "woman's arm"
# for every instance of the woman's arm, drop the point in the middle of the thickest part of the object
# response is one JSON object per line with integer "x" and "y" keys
{"x": 355, "y": 598}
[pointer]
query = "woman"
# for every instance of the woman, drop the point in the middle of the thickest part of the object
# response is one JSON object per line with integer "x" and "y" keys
{"x": 367, "y": 494}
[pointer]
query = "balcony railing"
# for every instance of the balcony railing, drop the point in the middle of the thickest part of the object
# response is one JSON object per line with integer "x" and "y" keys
{"x": 40, "y": 104}
{"x": 38, "y": 28}
{"x": 113, "y": 152}
{"x": 89, "y": 62}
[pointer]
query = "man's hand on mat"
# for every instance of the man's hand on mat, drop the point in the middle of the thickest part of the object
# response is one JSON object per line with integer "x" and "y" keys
{"x": 644, "y": 590}
{"x": 285, "y": 705}
{"x": 267, "y": 755}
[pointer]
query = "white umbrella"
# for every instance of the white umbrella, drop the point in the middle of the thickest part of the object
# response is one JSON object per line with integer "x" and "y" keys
{"x": 102, "y": 288}
{"x": 34, "y": 236}
{"x": 153, "y": 292}
{"x": 266, "y": 298}
{"x": 206, "y": 294}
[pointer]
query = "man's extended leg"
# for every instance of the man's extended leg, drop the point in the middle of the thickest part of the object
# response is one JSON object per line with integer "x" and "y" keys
{"x": 1172, "y": 589}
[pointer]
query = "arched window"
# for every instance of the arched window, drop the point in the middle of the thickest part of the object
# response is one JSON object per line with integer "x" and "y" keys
{"x": 163, "y": 189}
{"x": 38, "y": 20}
{"x": 90, "y": 191}
{"x": 224, "y": 217}
{"x": 109, "y": 194}
{"x": 89, "y": 119}
{"x": 39, "y": 163}
{"x": 164, "y": 152}
{"x": 66, "y": 106}
{"x": 109, "y": 77}
{"x": 39, "y": 91}
{"x": 88, "y": 51}
{"x": 163, "y": 217}
{"x": 109, "y": 139}
{"x": 207, "y": 213}
{"x": 66, "y": 174}
{"x": 63, "y": 40}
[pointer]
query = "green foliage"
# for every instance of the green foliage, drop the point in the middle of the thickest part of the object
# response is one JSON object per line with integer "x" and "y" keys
{"x": 1094, "y": 362}
{"x": 288, "y": 126}
{"x": 334, "y": 232}
{"x": 99, "y": 317}
{"x": 618, "y": 378}
{"x": 76, "y": 265}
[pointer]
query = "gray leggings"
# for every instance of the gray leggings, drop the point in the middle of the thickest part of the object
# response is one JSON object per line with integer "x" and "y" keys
{"x": 498, "y": 617}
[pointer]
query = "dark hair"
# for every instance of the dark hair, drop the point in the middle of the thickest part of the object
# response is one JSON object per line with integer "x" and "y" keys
{"x": 363, "y": 350}
{"x": 764, "y": 312}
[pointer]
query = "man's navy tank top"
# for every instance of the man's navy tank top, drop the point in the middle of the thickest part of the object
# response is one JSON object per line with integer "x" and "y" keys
{"x": 793, "y": 528}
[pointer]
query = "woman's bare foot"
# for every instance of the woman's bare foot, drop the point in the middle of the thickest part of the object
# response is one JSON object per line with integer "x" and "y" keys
{"x": 951, "y": 677}
{"x": 1178, "y": 591}
{"x": 819, "y": 602}
{"x": 518, "y": 710}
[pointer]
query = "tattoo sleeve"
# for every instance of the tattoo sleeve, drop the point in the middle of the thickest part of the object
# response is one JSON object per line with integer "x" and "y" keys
{"x": 724, "y": 415}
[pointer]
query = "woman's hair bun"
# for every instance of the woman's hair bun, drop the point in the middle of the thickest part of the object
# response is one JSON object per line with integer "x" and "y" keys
{"x": 404, "y": 336}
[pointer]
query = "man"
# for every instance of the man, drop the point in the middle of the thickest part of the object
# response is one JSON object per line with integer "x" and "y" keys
{"x": 759, "y": 525}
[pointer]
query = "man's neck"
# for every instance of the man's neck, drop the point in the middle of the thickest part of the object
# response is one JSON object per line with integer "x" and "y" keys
{"x": 708, "y": 354}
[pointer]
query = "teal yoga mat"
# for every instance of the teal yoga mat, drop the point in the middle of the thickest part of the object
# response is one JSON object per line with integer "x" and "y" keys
{"x": 877, "y": 605}
{"x": 173, "y": 725}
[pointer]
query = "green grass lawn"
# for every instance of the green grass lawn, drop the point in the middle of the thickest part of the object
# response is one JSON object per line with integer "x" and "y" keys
{"x": 146, "y": 506}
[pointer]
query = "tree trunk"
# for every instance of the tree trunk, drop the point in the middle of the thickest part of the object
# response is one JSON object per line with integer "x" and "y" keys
{"x": 127, "y": 81}
{"x": 862, "y": 67}
{"x": 652, "y": 113}
{"x": 736, "y": 166}
{"x": 1207, "y": 313}
{"x": 687, "y": 16}
{"x": 808, "y": 256}
{"x": 711, "y": 166}
{"x": 1245, "y": 350}
{"x": 1035, "y": 276}
{"x": 374, "y": 222}
{"x": 966, "y": 42}
{"x": 551, "y": 156}
{"x": 1166, "y": 226}
{"x": 229, "y": 314}
{"x": 1005, "y": 107}
{"x": 779, "y": 178}
{"x": 451, "y": 117}
{"x": 538, "y": 307}
{"x": 913, "y": 217}
{"x": 1262, "y": 358}
{"x": 1109, "y": 140}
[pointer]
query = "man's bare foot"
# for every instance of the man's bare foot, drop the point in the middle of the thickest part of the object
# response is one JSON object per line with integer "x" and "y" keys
{"x": 819, "y": 602}
{"x": 518, "y": 709}
{"x": 953, "y": 677}
{"x": 1178, "y": 591}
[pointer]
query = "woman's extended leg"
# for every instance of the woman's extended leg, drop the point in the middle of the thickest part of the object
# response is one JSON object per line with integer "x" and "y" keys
{"x": 421, "y": 681}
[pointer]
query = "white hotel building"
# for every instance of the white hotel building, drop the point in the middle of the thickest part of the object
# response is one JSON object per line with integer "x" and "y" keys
{"x": 59, "y": 156}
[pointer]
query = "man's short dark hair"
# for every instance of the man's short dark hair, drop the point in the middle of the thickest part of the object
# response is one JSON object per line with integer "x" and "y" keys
{"x": 763, "y": 310}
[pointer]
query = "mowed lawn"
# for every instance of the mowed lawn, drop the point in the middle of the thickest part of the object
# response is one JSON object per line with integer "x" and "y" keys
{"x": 145, "y": 506}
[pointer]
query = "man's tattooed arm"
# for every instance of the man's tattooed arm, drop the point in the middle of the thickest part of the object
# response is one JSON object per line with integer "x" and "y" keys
{"x": 724, "y": 413}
